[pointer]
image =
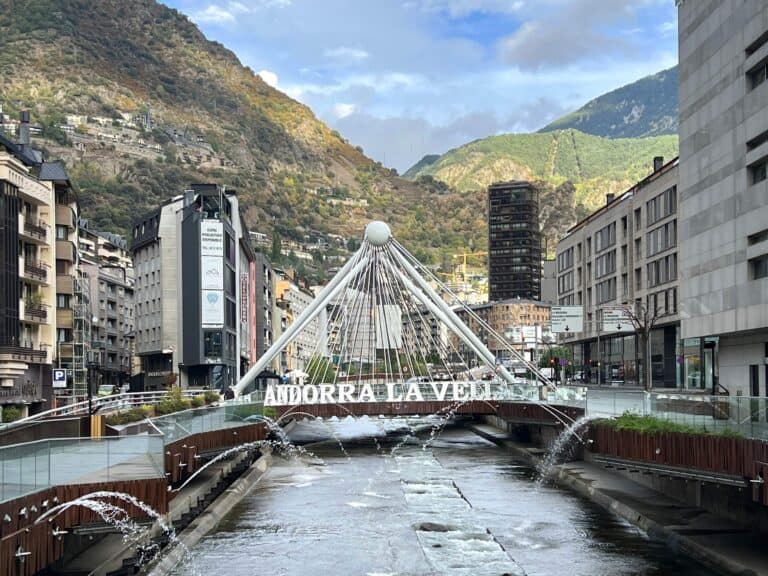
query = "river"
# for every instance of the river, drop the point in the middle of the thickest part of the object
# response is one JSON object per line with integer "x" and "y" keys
{"x": 460, "y": 507}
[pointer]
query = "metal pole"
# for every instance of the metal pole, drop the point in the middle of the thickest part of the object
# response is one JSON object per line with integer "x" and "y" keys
{"x": 648, "y": 379}
{"x": 599, "y": 353}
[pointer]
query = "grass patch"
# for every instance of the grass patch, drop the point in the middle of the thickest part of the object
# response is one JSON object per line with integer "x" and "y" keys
{"x": 652, "y": 425}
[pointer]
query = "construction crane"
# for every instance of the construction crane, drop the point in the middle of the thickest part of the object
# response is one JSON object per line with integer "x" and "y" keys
{"x": 464, "y": 256}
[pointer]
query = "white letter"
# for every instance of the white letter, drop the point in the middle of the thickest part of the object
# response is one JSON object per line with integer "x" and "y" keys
{"x": 459, "y": 391}
{"x": 326, "y": 393}
{"x": 309, "y": 394}
{"x": 366, "y": 394}
{"x": 345, "y": 393}
{"x": 443, "y": 390}
{"x": 413, "y": 390}
{"x": 269, "y": 397}
{"x": 391, "y": 393}
{"x": 282, "y": 395}
{"x": 294, "y": 394}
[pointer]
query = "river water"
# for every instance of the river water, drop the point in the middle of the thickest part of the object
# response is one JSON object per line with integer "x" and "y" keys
{"x": 462, "y": 506}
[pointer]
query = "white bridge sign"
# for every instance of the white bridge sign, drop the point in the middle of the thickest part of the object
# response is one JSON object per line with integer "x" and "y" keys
{"x": 567, "y": 319}
{"x": 451, "y": 391}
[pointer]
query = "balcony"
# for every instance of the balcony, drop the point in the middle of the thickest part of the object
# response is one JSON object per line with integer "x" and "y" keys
{"x": 36, "y": 314}
{"x": 65, "y": 284}
{"x": 32, "y": 271}
{"x": 64, "y": 318}
{"x": 65, "y": 216}
{"x": 65, "y": 250}
{"x": 23, "y": 352}
{"x": 33, "y": 230}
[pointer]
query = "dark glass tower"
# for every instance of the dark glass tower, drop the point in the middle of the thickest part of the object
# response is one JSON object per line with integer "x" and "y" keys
{"x": 514, "y": 241}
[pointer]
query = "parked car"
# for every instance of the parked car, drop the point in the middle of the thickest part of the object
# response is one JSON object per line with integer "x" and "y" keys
{"x": 106, "y": 390}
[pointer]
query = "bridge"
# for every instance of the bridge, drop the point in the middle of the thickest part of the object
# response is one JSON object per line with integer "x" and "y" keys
{"x": 379, "y": 354}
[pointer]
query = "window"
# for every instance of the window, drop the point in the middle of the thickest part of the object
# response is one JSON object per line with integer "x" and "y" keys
{"x": 62, "y": 233}
{"x": 661, "y": 206}
{"x": 757, "y": 141}
{"x": 62, "y": 300}
{"x": 605, "y": 237}
{"x": 757, "y": 43}
{"x": 605, "y": 264}
{"x": 661, "y": 238}
{"x": 759, "y": 171}
{"x": 754, "y": 380}
{"x": 606, "y": 291}
{"x": 662, "y": 270}
{"x": 565, "y": 260}
{"x": 638, "y": 219}
{"x": 756, "y": 75}
{"x": 565, "y": 283}
{"x": 761, "y": 236}
{"x": 758, "y": 267}
{"x": 212, "y": 343}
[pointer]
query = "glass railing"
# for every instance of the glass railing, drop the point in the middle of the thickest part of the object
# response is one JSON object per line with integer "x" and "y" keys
{"x": 744, "y": 415}
{"x": 33, "y": 466}
{"x": 206, "y": 419}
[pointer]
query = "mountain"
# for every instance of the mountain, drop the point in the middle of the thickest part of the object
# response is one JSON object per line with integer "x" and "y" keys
{"x": 139, "y": 104}
{"x": 573, "y": 170}
{"x": 644, "y": 108}
{"x": 421, "y": 165}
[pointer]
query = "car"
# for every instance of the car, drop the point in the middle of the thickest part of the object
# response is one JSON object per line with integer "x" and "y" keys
{"x": 106, "y": 390}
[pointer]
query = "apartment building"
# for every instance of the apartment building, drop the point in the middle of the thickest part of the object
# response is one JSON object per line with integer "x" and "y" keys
{"x": 108, "y": 267}
{"x": 723, "y": 101}
{"x": 189, "y": 266}
{"x": 625, "y": 256}
{"x": 514, "y": 241}
{"x": 293, "y": 296}
{"x": 27, "y": 275}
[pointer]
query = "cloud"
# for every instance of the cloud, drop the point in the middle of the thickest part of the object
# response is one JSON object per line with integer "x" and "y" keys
{"x": 460, "y": 8}
{"x": 214, "y": 14}
{"x": 269, "y": 77}
{"x": 343, "y": 109}
{"x": 563, "y": 33}
{"x": 345, "y": 55}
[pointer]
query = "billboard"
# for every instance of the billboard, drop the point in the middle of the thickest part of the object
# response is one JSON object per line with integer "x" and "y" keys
{"x": 211, "y": 238}
{"x": 212, "y": 313}
{"x": 212, "y": 272}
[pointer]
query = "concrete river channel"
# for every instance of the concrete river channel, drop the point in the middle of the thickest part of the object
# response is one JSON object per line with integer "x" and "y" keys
{"x": 457, "y": 506}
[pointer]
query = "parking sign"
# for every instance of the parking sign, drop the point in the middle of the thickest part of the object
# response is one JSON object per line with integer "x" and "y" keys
{"x": 59, "y": 378}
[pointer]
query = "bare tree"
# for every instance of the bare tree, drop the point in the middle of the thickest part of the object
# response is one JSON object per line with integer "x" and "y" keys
{"x": 643, "y": 320}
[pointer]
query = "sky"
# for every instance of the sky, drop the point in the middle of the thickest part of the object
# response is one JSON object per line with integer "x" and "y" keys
{"x": 405, "y": 78}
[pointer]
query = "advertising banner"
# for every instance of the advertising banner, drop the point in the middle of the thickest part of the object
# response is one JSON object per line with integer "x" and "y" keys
{"x": 212, "y": 271}
{"x": 212, "y": 308}
{"x": 211, "y": 238}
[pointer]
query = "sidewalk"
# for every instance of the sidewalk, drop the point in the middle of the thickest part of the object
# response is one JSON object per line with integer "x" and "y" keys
{"x": 712, "y": 540}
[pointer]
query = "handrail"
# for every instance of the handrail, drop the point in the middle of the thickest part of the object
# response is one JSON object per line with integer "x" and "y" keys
{"x": 125, "y": 400}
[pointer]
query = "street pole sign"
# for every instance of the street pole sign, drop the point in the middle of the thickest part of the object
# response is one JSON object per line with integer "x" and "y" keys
{"x": 616, "y": 320}
{"x": 566, "y": 319}
{"x": 59, "y": 378}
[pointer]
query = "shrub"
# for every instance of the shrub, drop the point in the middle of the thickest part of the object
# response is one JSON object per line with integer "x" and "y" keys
{"x": 652, "y": 425}
{"x": 11, "y": 413}
{"x": 198, "y": 401}
{"x": 173, "y": 402}
{"x": 127, "y": 416}
{"x": 211, "y": 396}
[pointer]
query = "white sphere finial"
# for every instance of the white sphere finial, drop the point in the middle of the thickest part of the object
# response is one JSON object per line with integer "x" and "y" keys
{"x": 377, "y": 233}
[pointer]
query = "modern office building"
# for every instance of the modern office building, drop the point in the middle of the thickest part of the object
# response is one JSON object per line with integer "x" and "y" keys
{"x": 723, "y": 101}
{"x": 626, "y": 255}
{"x": 190, "y": 268}
{"x": 27, "y": 274}
{"x": 514, "y": 241}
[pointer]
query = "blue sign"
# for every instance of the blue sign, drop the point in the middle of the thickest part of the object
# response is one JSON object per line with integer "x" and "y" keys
{"x": 59, "y": 378}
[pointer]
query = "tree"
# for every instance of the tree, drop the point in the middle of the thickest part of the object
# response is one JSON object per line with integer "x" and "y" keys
{"x": 320, "y": 370}
{"x": 554, "y": 352}
{"x": 277, "y": 246}
{"x": 643, "y": 320}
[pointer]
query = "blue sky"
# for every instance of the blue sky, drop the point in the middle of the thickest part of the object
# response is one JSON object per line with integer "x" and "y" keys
{"x": 404, "y": 78}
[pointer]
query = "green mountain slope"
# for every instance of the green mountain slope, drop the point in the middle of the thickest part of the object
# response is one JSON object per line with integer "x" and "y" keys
{"x": 214, "y": 120}
{"x": 574, "y": 171}
{"x": 647, "y": 107}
